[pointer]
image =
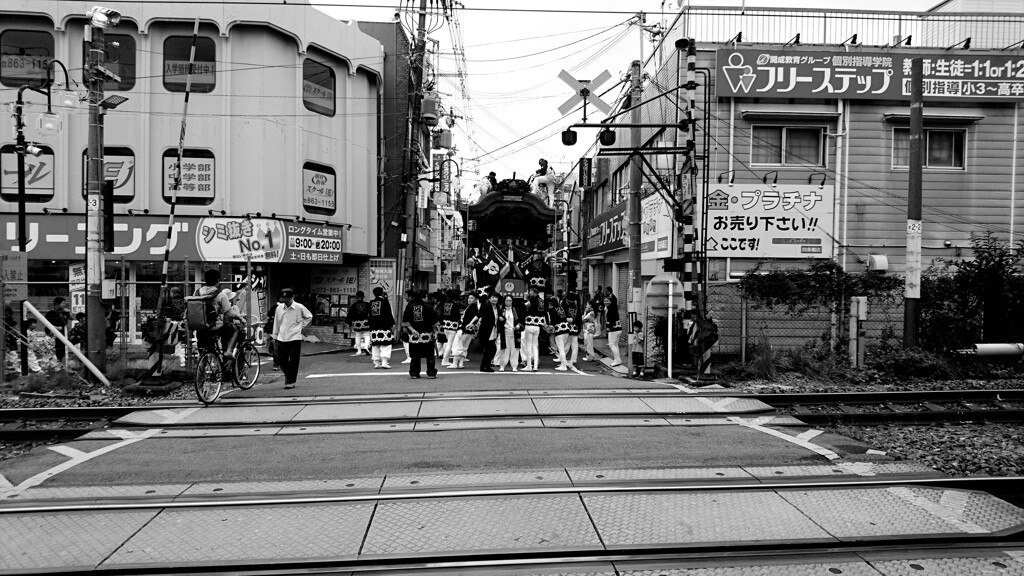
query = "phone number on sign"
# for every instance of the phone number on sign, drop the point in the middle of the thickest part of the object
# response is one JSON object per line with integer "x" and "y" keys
{"x": 318, "y": 244}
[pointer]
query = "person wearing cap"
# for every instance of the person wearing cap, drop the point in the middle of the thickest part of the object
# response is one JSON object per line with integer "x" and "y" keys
{"x": 289, "y": 320}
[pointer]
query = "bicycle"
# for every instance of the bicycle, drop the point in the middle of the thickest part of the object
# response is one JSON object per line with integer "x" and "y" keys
{"x": 214, "y": 368}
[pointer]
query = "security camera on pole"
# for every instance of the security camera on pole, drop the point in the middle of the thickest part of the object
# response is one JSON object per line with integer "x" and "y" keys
{"x": 100, "y": 19}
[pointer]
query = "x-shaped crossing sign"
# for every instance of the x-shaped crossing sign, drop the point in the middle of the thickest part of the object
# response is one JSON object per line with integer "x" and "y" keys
{"x": 584, "y": 93}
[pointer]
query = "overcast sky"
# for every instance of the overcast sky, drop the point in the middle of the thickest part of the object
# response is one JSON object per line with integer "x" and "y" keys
{"x": 514, "y": 58}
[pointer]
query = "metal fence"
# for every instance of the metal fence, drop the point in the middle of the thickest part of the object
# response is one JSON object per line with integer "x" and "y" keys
{"x": 742, "y": 325}
{"x": 877, "y": 28}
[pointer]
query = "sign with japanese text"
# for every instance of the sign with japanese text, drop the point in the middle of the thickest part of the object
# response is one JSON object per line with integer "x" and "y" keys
{"x": 382, "y": 273}
{"x": 240, "y": 240}
{"x": 319, "y": 190}
{"x": 176, "y": 72}
{"x": 655, "y": 228}
{"x": 608, "y": 232}
{"x": 197, "y": 175}
{"x": 312, "y": 243}
{"x": 794, "y": 73}
{"x": 334, "y": 280}
{"x": 318, "y": 95}
{"x": 118, "y": 167}
{"x": 39, "y": 181}
{"x": 760, "y": 221}
{"x": 14, "y": 271}
{"x": 76, "y": 287}
{"x": 426, "y": 261}
{"x": 586, "y": 172}
{"x": 24, "y": 68}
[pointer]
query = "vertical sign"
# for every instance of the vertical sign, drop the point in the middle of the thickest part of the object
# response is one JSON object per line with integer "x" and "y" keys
{"x": 319, "y": 188}
{"x": 14, "y": 270}
{"x": 586, "y": 171}
{"x": 76, "y": 287}
{"x": 197, "y": 175}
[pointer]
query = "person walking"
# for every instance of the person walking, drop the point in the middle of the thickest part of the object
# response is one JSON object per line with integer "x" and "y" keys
{"x": 58, "y": 315}
{"x": 636, "y": 349}
{"x": 487, "y": 332}
{"x": 451, "y": 317}
{"x": 289, "y": 320}
{"x": 359, "y": 319}
{"x": 511, "y": 331}
{"x": 534, "y": 319}
{"x": 467, "y": 329}
{"x": 589, "y": 330}
{"x": 409, "y": 295}
{"x": 614, "y": 328}
{"x": 559, "y": 328}
{"x": 574, "y": 316}
{"x": 268, "y": 333}
{"x": 382, "y": 320}
{"x": 419, "y": 321}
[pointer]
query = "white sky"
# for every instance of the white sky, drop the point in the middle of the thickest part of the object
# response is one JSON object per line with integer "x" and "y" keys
{"x": 514, "y": 91}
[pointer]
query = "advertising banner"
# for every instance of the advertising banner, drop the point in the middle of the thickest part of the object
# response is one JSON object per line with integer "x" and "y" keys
{"x": 656, "y": 227}
{"x": 608, "y": 232}
{"x": 240, "y": 240}
{"x": 312, "y": 243}
{"x": 76, "y": 287}
{"x": 787, "y": 72}
{"x": 319, "y": 189}
{"x": 334, "y": 280}
{"x": 760, "y": 221}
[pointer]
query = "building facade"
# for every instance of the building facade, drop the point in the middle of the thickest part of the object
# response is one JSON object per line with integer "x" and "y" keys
{"x": 279, "y": 176}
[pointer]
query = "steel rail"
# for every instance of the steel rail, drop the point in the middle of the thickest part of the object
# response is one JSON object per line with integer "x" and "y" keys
{"x": 1012, "y": 486}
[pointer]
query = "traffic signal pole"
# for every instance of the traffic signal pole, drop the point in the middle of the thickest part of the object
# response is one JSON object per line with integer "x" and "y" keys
{"x": 635, "y": 180}
{"x": 96, "y": 339}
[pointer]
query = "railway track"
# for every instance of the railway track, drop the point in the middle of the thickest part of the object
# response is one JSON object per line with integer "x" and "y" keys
{"x": 859, "y": 408}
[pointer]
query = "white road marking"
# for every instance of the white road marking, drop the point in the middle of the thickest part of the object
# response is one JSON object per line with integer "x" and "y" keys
{"x": 940, "y": 511}
{"x": 858, "y": 468}
{"x": 445, "y": 373}
{"x": 5, "y": 483}
{"x": 71, "y": 463}
{"x": 808, "y": 435}
{"x": 67, "y": 451}
{"x": 795, "y": 440}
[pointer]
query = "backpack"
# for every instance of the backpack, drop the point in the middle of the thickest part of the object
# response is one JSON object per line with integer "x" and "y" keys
{"x": 202, "y": 312}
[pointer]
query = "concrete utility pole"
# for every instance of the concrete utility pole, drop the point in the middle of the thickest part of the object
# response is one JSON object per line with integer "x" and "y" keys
{"x": 635, "y": 180}
{"x": 410, "y": 186}
{"x": 912, "y": 291}
{"x": 96, "y": 340}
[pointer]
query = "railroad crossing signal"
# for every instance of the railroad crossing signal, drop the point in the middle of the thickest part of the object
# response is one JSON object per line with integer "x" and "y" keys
{"x": 584, "y": 93}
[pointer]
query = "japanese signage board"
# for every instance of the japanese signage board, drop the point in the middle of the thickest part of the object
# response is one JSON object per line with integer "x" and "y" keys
{"x": 240, "y": 239}
{"x": 76, "y": 287}
{"x": 382, "y": 273}
{"x": 586, "y": 172}
{"x": 25, "y": 68}
{"x": 312, "y": 243}
{"x": 14, "y": 271}
{"x": 761, "y": 221}
{"x": 793, "y": 73}
{"x": 197, "y": 176}
{"x": 608, "y": 232}
{"x": 319, "y": 190}
{"x": 426, "y": 261}
{"x": 176, "y": 72}
{"x": 655, "y": 228}
{"x": 118, "y": 167}
{"x": 39, "y": 181}
{"x": 319, "y": 96}
{"x": 334, "y": 280}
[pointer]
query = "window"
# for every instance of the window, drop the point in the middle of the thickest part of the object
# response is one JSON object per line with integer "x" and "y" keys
{"x": 119, "y": 58}
{"x": 318, "y": 83}
{"x": 39, "y": 180}
{"x": 119, "y": 167}
{"x": 176, "y": 57}
{"x": 319, "y": 189}
{"x": 787, "y": 146}
{"x": 24, "y": 56}
{"x": 197, "y": 176}
{"x": 944, "y": 149}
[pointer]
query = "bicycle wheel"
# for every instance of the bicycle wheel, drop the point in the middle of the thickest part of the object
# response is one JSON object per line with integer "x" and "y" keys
{"x": 208, "y": 378}
{"x": 247, "y": 366}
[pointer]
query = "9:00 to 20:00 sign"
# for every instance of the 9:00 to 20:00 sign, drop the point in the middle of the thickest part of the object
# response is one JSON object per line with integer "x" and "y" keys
{"x": 317, "y": 244}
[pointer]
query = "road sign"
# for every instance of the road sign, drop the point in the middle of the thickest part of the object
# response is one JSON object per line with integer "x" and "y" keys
{"x": 584, "y": 93}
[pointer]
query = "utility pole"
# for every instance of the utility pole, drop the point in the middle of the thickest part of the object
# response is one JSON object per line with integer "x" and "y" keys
{"x": 410, "y": 187}
{"x": 912, "y": 290}
{"x": 96, "y": 349}
{"x": 635, "y": 179}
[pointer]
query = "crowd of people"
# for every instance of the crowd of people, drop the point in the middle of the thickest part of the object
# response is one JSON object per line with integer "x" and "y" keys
{"x": 443, "y": 325}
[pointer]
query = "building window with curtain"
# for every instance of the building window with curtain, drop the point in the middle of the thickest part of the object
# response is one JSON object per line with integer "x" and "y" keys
{"x": 787, "y": 146}
{"x": 24, "y": 56}
{"x": 177, "y": 51}
{"x": 943, "y": 149}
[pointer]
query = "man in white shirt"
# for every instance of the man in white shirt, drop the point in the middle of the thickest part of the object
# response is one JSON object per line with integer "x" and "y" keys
{"x": 289, "y": 320}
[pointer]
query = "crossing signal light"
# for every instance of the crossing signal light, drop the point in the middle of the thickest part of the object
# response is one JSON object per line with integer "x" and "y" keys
{"x": 569, "y": 137}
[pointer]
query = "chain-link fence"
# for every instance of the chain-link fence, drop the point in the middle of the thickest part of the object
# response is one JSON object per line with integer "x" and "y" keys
{"x": 743, "y": 325}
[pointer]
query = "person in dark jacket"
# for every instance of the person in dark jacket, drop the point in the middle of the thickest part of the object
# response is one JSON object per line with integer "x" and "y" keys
{"x": 558, "y": 327}
{"x": 488, "y": 330}
{"x": 58, "y": 316}
{"x": 574, "y": 316}
{"x": 420, "y": 324}
{"x": 359, "y": 319}
{"x": 451, "y": 322}
{"x": 382, "y": 321}
{"x": 467, "y": 328}
{"x": 614, "y": 328}
{"x": 510, "y": 333}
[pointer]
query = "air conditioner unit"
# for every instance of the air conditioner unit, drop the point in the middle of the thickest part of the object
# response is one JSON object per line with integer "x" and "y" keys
{"x": 428, "y": 112}
{"x": 878, "y": 263}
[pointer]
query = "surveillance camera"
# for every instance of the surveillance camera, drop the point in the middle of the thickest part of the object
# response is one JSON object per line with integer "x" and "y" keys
{"x": 947, "y": 244}
{"x": 34, "y": 150}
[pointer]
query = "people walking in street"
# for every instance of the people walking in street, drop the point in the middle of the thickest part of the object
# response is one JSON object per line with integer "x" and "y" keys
{"x": 419, "y": 321}
{"x": 409, "y": 295}
{"x": 511, "y": 334}
{"x": 636, "y": 349}
{"x": 58, "y": 315}
{"x": 558, "y": 328}
{"x": 359, "y": 319}
{"x": 589, "y": 330}
{"x": 535, "y": 317}
{"x": 451, "y": 321}
{"x": 488, "y": 331}
{"x": 382, "y": 321}
{"x": 467, "y": 329}
{"x": 614, "y": 328}
{"x": 574, "y": 316}
{"x": 289, "y": 320}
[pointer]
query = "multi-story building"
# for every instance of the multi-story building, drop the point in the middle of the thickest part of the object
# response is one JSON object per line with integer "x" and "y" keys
{"x": 279, "y": 174}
